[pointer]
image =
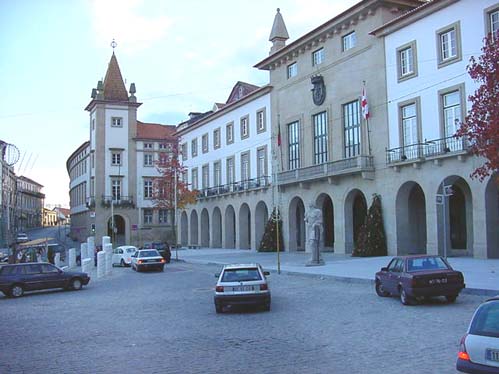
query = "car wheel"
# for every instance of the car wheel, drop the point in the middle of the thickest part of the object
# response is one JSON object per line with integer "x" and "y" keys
{"x": 451, "y": 298}
{"x": 404, "y": 299}
{"x": 219, "y": 308}
{"x": 122, "y": 263}
{"x": 380, "y": 290}
{"x": 76, "y": 284}
{"x": 16, "y": 290}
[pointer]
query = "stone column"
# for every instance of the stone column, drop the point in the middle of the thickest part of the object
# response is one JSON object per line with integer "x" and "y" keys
{"x": 108, "y": 252}
{"x": 86, "y": 265}
{"x": 101, "y": 264}
{"x": 72, "y": 257}
{"x": 105, "y": 240}
{"x": 91, "y": 246}
{"x": 83, "y": 251}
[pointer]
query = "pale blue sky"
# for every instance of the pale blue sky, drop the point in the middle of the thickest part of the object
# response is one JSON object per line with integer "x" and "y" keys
{"x": 182, "y": 55}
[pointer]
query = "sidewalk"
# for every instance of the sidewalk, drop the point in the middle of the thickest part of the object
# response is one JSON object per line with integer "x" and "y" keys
{"x": 481, "y": 276}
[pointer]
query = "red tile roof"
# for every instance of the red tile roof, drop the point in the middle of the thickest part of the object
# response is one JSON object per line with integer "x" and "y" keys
{"x": 114, "y": 88}
{"x": 155, "y": 131}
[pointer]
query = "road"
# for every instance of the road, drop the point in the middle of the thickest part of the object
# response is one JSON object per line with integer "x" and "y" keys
{"x": 165, "y": 322}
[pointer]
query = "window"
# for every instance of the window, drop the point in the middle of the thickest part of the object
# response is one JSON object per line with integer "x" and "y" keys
{"x": 261, "y": 163}
{"x": 349, "y": 41}
{"x": 292, "y": 70}
{"x": 230, "y": 170}
{"x": 406, "y": 61}
{"x": 194, "y": 147}
{"x": 147, "y": 216}
{"x": 165, "y": 147}
{"x": 244, "y": 127}
{"x": 229, "y": 133}
{"x": 320, "y": 138}
{"x": 204, "y": 141}
{"x": 216, "y": 138}
{"x": 148, "y": 159}
{"x": 245, "y": 166}
{"x": 261, "y": 124}
{"x": 294, "y": 145}
{"x": 93, "y": 124}
{"x": 148, "y": 146}
{"x": 494, "y": 22}
{"x": 116, "y": 121}
{"x": 351, "y": 128}
{"x": 92, "y": 160}
{"x": 116, "y": 189}
{"x": 148, "y": 189}
{"x": 116, "y": 159}
{"x": 194, "y": 179}
{"x": 318, "y": 57}
{"x": 408, "y": 114}
{"x": 449, "y": 45}
{"x": 163, "y": 216}
{"x": 217, "y": 174}
{"x": 206, "y": 176}
{"x": 451, "y": 103}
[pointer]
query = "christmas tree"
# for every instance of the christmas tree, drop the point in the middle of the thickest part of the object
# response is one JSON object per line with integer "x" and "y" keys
{"x": 269, "y": 239}
{"x": 372, "y": 240}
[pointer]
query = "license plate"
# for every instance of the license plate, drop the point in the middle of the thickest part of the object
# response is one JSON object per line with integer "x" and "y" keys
{"x": 242, "y": 288}
{"x": 492, "y": 354}
{"x": 438, "y": 281}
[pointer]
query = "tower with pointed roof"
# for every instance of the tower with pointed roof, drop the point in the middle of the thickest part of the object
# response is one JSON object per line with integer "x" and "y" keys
{"x": 279, "y": 33}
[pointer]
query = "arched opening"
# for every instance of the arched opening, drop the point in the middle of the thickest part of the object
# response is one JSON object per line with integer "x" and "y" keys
{"x": 230, "y": 227}
{"x": 296, "y": 225}
{"x": 244, "y": 227}
{"x": 205, "y": 228}
{"x": 355, "y": 215}
{"x": 184, "y": 233}
{"x": 261, "y": 218}
{"x": 458, "y": 228}
{"x": 492, "y": 218}
{"x": 216, "y": 228}
{"x": 118, "y": 236}
{"x": 194, "y": 228}
{"x": 411, "y": 219}
{"x": 325, "y": 203}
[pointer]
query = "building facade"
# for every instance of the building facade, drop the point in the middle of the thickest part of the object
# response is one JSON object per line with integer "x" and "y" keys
{"x": 111, "y": 173}
{"x": 30, "y": 201}
{"x": 227, "y": 156}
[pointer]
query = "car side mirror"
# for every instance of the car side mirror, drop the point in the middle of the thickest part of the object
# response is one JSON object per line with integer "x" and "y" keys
{"x": 266, "y": 273}
{"x": 384, "y": 269}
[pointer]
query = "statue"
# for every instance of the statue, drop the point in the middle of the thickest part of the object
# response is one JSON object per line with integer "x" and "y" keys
{"x": 315, "y": 229}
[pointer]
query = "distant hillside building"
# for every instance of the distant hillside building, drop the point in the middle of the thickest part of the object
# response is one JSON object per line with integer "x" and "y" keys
{"x": 30, "y": 200}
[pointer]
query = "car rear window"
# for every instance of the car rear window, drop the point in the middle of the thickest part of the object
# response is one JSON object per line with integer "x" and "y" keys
{"x": 426, "y": 263}
{"x": 486, "y": 320}
{"x": 11, "y": 270}
{"x": 241, "y": 275}
{"x": 148, "y": 253}
{"x": 130, "y": 250}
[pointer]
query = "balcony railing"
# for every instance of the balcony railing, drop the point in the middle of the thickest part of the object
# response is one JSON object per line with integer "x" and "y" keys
{"x": 429, "y": 149}
{"x": 235, "y": 187}
{"x": 118, "y": 201}
{"x": 345, "y": 166}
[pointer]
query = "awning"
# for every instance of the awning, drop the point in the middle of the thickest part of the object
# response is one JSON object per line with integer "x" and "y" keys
{"x": 34, "y": 242}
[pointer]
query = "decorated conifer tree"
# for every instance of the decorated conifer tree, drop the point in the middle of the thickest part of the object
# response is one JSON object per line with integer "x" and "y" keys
{"x": 269, "y": 239}
{"x": 372, "y": 239}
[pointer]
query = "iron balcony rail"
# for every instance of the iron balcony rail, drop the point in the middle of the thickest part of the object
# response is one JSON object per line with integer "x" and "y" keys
{"x": 428, "y": 149}
{"x": 327, "y": 169}
{"x": 118, "y": 201}
{"x": 235, "y": 187}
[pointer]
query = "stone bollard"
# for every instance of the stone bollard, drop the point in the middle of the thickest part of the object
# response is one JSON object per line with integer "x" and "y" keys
{"x": 101, "y": 264}
{"x": 90, "y": 246}
{"x": 57, "y": 260}
{"x": 72, "y": 257}
{"x": 84, "y": 252}
{"x": 108, "y": 250}
{"x": 86, "y": 265}
{"x": 105, "y": 240}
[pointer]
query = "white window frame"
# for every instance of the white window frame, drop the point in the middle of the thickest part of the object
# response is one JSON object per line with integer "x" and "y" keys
{"x": 292, "y": 70}
{"x": 116, "y": 121}
{"x": 348, "y": 41}
{"x": 318, "y": 57}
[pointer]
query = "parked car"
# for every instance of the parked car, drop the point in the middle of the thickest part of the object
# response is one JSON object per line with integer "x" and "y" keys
{"x": 123, "y": 255}
{"x": 242, "y": 284}
{"x": 413, "y": 278}
{"x": 479, "y": 348}
{"x": 162, "y": 247}
{"x": 15, "y": 279}
{"x": 22, "y": 237}
{"x": 146, "y": 259}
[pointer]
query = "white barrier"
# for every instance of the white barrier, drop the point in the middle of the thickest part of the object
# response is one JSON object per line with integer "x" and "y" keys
{"x": 90, "y": 246}
{"x": 72, "y": 257}
{"x": 101, "y": 264}
{"x": 83, "y": 251}
{"x": 108, "y": 250}
{"x": 57, "y": 260}
{"x": 86, "y": 265}
{"x": 105, "y": 240}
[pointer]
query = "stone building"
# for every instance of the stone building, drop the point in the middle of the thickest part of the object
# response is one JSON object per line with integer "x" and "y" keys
{"x": 30, "y": 201}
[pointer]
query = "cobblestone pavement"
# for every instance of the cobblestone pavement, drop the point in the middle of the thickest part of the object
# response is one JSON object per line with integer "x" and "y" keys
{"x": 166, "y": 323}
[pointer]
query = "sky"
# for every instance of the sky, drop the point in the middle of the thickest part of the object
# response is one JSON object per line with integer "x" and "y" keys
{"x": 183, "y": 56}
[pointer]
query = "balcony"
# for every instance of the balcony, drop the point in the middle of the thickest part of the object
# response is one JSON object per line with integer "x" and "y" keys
{"x": 430, "y": 149}
{"x": 359, "y": 164}
{"x": 235, "y": 187}
{"x": 117, "y": 201}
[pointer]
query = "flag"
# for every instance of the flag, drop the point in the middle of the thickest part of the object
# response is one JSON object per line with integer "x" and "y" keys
{"x": 364, "y": 105}
{"x": 278, "y": 135}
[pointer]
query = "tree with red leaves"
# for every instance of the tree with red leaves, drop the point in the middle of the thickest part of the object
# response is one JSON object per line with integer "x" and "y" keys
{"x": 481, "y": 126}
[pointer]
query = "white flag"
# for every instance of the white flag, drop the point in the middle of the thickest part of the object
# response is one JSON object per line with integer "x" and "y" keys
{"x": 364, "y": 105}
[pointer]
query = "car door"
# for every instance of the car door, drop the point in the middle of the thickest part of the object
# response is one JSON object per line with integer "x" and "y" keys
{"x": 52, "y": 277}
{"x": 393, "y": 275}
{"x": 33, "y": 278}
{"x": 117, "y": 255}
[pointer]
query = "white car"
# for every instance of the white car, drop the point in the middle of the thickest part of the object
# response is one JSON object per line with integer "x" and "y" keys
{"x": 242, "y": 284}
{"x": 22, "y": 237}
{"x": 479, "y": 349}
{"x": 123, "y": 255}
{"x": 147, "y": 259}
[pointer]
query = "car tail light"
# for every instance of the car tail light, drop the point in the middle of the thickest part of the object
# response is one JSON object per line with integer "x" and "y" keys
{"x": 140, "y": 261}
{"x": 463, "y": 355}
{"x": 264, "y": 287}
{"x": 219, "y": 288}
{"x": 162, "y": 260}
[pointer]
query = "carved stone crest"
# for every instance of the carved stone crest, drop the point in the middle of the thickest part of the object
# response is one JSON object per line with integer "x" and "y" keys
{"x": 319, "y": 90}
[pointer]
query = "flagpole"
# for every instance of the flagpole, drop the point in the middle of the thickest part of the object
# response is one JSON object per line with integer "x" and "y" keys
{"x": 365, "y": 114}
{"x": 277, "y": 215}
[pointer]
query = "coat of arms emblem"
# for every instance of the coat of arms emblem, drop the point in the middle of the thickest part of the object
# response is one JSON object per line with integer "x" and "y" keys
{"x": 319, "y": 90}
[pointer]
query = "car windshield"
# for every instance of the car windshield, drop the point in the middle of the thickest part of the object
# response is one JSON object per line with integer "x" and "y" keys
{"x": 241, "y": 275}
{"x": 426, "y": 263}
{"x": 150, "y": 253}
{"x": 486, "y": 320}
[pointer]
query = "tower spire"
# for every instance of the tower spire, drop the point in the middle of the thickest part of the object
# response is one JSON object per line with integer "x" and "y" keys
{"x": 279, "y": 33}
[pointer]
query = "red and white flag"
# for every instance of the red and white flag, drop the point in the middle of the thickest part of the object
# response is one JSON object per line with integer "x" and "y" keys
{"x": 364, "y": 105}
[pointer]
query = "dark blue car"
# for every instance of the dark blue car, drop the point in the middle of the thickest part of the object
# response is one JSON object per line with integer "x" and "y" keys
{"x": 15, "y": 279}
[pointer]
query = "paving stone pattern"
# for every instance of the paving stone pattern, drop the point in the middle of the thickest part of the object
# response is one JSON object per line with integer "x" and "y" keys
{"x": 166, "y": 323}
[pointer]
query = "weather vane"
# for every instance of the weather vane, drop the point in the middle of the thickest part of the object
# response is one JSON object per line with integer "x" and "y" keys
{"x": 113, "y": 44}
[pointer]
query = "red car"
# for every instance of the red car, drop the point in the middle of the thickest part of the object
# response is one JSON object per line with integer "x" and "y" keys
{"x": 413, "y": 278}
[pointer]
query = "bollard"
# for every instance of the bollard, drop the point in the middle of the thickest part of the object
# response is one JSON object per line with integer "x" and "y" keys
{"x": 84, "y": 251}
{"x": 57, "y": 260}
{"x": 72, "y": 257}
{"x": 108, "y": 250}
{"x": 90, "y": 246}
{"x": 101, "y": 264}
{"x": 86, "y": 265}
{"x": 105, "y": 240}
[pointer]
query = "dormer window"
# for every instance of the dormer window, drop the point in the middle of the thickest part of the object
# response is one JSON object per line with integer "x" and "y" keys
{"x": 117, "y": 122}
